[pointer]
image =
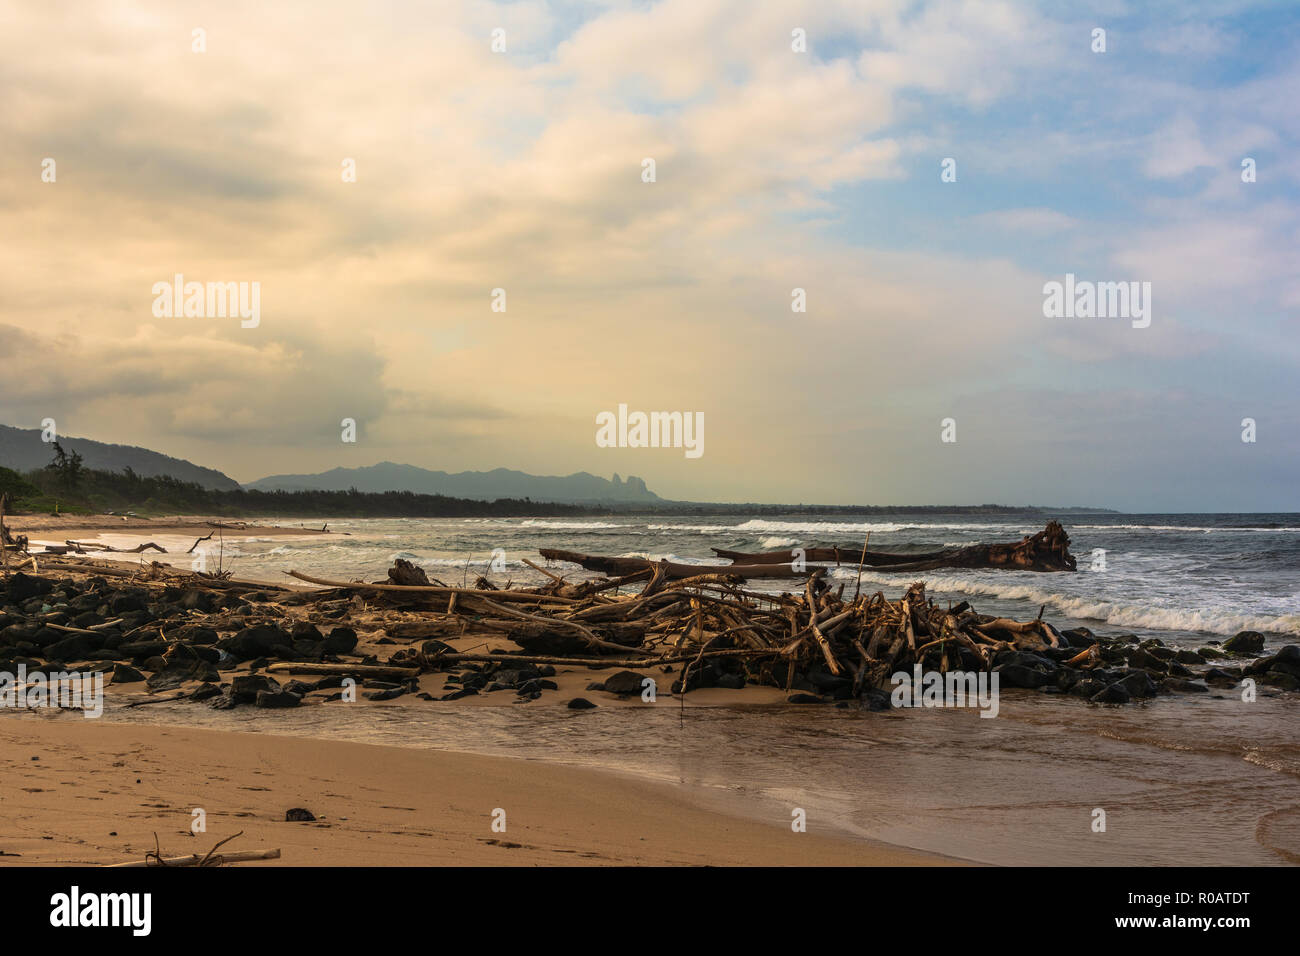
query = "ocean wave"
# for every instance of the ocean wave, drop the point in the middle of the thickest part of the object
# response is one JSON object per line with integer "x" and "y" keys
{"x": 1181, "y": 527}
{"x": 1213, "y": 619}
{"x": 568, "y": 525}
{"x": 764, "y": 525}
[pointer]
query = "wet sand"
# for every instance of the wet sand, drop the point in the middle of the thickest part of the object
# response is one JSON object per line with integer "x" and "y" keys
{"x": 81, "y": 791}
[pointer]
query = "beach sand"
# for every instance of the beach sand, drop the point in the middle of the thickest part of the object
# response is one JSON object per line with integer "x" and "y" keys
{"x": 83, "y": 792}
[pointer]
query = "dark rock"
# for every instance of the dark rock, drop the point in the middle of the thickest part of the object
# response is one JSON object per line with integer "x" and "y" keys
{"x": 1079, "y": 637}
{"x": 389, "y": 694}
{"x": 244, "y": 688}
{"x": 1146, "y": 660}
{"x": 193, "y": 634}
{"x": 1245, "y": 642}
{"x": 737, "y": 682}
{"x": 299, "y": 815}
{"x": 1219, "y": 677}
{"x": 623, "y": 683}
{"x": 1017, "y": 675}
{"x": 139, "y": 649}
{"x": 305, "y": 631}
{"x": 122, "y": 603}
{"x": 73, "y": 646}
{"x": 596, "y": 685}
{"x": 266, "y": 698}
{"x": 804, "y": 699}
{"x": 1089, "y": 687}
{"x": 126, "y": 674}
{"x": 23, "y": 587}
{"x": 197, "y": 599}
{"x": 580, "y": 703}
{"x": 259, "y": 641}
{"x": 1182, "y": 686}
{"x": 180, "y": 652}
{"x": 1281, "y": 680}
{"x": 305, "y": 650}
{"x": 1139, "y": 684}
{"x": 341, "y": 640}
{"x": 463, "y": 692}
{"x": 1115, "y": 693}
{"x": 876, "y": 699}
{"x": 1067, "y": 677}
{"x": 181, "y": 672}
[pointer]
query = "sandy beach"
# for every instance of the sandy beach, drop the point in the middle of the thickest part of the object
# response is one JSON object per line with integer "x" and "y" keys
{"x": 86, "y": 792}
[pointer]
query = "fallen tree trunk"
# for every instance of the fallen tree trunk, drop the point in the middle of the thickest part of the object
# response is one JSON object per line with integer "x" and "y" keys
{"x": 829, "y": 555}
{"x": 376, "y": 671}
{"x": 612, "y": 565}
{"x": 1048, "y": 550}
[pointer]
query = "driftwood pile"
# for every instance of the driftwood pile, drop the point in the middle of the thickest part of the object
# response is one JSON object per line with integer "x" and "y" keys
{"x": 711, "y": 631}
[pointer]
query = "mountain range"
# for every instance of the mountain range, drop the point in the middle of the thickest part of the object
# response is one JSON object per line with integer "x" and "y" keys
{"x": 580, "y": 487}
{"x": 23, "y": 450}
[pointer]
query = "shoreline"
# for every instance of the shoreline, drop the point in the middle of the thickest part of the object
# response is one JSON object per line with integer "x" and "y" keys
{"x": 99, "y": 791}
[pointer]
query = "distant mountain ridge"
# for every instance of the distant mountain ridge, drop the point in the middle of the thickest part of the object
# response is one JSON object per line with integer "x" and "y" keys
{"x": 22, "y": 450}
{"x": 480, "y": 485}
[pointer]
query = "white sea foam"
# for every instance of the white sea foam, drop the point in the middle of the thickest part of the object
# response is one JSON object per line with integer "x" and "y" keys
{"x": 568, "y": 525}
{"x": 1116, "y": 612}
{"x": 1180, "y": 527}
{"x": 762, "y": 525}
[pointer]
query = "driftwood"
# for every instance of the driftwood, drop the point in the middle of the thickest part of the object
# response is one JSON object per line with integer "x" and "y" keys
{"x": 155, "y": 858}
{"x": 376, "y": 671}
{"x": 9, "y": 542}
{"x": 1048, "y": 550}
{"x": 430, "y": 589}
{"x": 82, "y": 547}
{"x": 672, "y": 570}
{"x": 722, "y": 634}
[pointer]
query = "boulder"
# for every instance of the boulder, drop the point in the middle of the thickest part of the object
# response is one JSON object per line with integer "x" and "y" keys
{"x": 1245, "y": 642}
{"x": 623, "y": 683}
{"x": 1115, "y": 693}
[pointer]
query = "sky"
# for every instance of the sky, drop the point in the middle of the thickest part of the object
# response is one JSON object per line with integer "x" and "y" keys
{"x": 775, "y": 168}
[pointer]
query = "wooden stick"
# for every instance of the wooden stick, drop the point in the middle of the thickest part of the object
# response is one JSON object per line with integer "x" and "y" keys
{"x": 863, "y": 560}
{"x": 378, "y": 671}
{"x": 432, "y": 589}
{"x": 193, "y": 859}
